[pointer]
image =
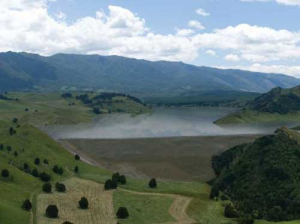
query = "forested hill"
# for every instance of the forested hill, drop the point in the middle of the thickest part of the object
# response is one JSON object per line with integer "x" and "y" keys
{"x": 22, "y": 71}
{"x": 262, "y": 178}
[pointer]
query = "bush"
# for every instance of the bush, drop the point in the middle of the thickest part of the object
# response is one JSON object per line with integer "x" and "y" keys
{"x": 76, "y": 169}
{"x": 77, "y": 157}
{"x": 5, "y": 173}
{"x": 47, "y": 188}
{"x": 37, "y": 161}
{"x": 122, "y": 179}
{"x": 230, "y": 212}
{"x": 83, "y": 203}
{"x": 122, "y": 213}
{"x": 27, "y": 205}
{"x": 152, "y": 183}
{"x": 52, "y": 211}
{"x": 35, "y": 173}
{"x": 60, "y": 187}
{"x": 45, "y": 177}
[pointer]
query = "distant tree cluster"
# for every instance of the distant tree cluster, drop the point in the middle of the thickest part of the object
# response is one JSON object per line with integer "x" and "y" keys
{"x": 66, "y": 95}
{"x": 58, "y": 170}
{"x": 119, "y": 178}
{"x": 113, "y": 182}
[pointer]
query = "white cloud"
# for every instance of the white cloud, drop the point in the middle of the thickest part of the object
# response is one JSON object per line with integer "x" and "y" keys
{"x": 211, "y": 53}
{"x": 232, "y": 57}
{"x": 196, "y": 24}
{"x": 283, "y": 2}
{"x": 184, "y": 32}
{"x": 61, "y": 16}
{"x": 202, "y": 12}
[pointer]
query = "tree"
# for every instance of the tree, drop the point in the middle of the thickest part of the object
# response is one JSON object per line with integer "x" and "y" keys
{"x": 37, "y": 161}
{"x": 45, "y": 177}
{"x": 107, "y": 185}
{"x": 77, "y": 157}
{"x": 15, "y": 120}
{"x": 52, "y": 211}
{"x": 122, "y": 213}
{"x": 12, "y": 131}
{"x": 230, "y": 212}
{"x": 83, "y": 203}
{"x": 76, "y": 169}
{"x": 152, "y": 183}
{"x": 8, "y": 148}
{"x": 46, "y": 161}
{"x": 35, "y": 173}
{"x": 27, "y": 205}
{"x": 5, "y": 173}
{"x": 60, "y": 187}
{"x": 114, "y": 184}
{"x": 116, "y": 176}
{"x": 47, "y": 188}
{"x": 25, "y": 166}
{"x": 58, "y": 170}
{"x": 16, "y": 154}
{"x": 122, "y": 179}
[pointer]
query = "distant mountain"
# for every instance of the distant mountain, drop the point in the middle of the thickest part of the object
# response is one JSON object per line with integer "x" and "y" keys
{"x": 279, "y": 104}
{"x": 262, "y": 178}
{"x": 137, "y": 77}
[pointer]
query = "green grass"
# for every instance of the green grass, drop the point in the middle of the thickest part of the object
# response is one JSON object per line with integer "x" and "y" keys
{"x": 143, "y": 208}
{"x": 51, "y": 108}
{"x": 254, "y": 117}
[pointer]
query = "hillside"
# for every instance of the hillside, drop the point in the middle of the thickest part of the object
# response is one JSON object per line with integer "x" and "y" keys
{"x": 262, "y": 178}
{"x": 278, "y": 105}
{"x": 19, "y": 71}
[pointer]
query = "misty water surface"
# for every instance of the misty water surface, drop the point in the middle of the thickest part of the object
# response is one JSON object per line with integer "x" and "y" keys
{"x": 164, "y": 122}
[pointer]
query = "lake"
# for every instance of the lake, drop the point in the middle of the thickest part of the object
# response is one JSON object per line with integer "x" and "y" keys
{"x": 163, "y": 122}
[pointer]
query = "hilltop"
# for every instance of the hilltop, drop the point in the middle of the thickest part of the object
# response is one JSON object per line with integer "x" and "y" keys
{"x": 277, "y": 105}
{"x": 262, "y": 178}
{"x": 22, "y": 71}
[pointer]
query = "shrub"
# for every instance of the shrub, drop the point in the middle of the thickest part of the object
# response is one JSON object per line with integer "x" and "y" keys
{"x": 122, "y": 213}
{"x": 47, "y": 188}
{"x": 152, "y": 183}
{"x": 83, "y": 203}
{"x": 230, "y": 212}
{"x": 27, "y": 205}
{"x": 35, "y": 173}
{"x": 60, "y": 187}
{"x": 5, "y": 173}
{"x": 52, "y": 211}
{"x": 77, "y": 157}
{"x": 45, "y": 177}
{"x": 76, "y": 169}
{"x": 37, "y": 161}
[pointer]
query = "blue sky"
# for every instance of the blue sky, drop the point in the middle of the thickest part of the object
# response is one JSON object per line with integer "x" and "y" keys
{"x": 257, "y": 35}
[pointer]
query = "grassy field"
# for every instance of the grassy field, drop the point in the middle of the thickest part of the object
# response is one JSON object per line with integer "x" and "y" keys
{"x": 51, "y": 108}
{"x": 254, "y": 117}
{"x": 177, "y": 159}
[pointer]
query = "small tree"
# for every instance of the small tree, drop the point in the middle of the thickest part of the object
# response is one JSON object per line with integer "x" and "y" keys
{"x": 52, "y": 211}
{"x": 77, "y": 157}
{"x": 5, "y": 173}
{"x": 122, "y": 213}
{"x": 26, "y": 166}
{"x": 11, "y": 131}
{"x": 27, "y": 205}
{"x": 114, "y": 184}
{"x": 8, "y": 148}
{"x": 47, "y": 188}
{"x": 83, "y": 203}
{"x": 35, "y": 173}
{"x": 60, "y": 187}
{"x": 46, "y": 161}
{"x": 116, "y": 177}
{"x": 37, "y": 161}
{"x": 122, "y": 179}
{"x": 107, "y": 185}
{"x": 15, "y": 120}
{"x": 76, "y": 169}
{"x": 45, "y": 177}
{"x": 152, "y": 183}
{"x": 16, "y": 154}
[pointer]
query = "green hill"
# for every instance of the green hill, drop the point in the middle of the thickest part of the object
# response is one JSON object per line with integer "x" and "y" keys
{"x": 22, "y": 71}
{"x": 278, "y": 105}
{"x": 262, "y": 178}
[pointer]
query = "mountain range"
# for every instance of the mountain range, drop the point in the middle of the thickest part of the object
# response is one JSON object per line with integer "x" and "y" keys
{"x": 23, "y": 71}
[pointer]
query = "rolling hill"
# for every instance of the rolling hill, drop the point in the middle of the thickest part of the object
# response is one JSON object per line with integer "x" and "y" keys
{"x": 23, "y": 71}
{"x": 277, "y": 105}
{"x": 262, "y": 178}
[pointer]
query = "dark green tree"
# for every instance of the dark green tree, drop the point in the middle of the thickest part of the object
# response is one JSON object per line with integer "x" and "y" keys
{"x": 35, "y": 173}
{"x": 37, "y": 161}
{"x": 52, "y": 211}
{"x": 27, "y": 205}
{"x": 45, "y": 177}
{"x": 60, "y": 187}
{"x": 46, "y": 161}
{"x": 122, "y": 213}
{"x": 77, "y": 157}
{"x": 83, "y": 203}
{"x": 5, "y": 173}
{"x": 76, "y": 169}
{"x": 152, "y": 183}
{"x": 47, "y": 188}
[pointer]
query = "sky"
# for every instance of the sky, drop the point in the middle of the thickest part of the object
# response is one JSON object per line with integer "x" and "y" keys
{"x": 256, "y": 35}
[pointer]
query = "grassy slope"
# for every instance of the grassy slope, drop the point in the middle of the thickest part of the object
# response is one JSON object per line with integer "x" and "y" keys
{"x": 37, "y": 144}
{"x": 254, "y": 117}
{"x": 52, "y": 109}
